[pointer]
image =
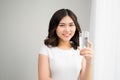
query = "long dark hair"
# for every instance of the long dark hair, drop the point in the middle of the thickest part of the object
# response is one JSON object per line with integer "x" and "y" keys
{"x": 52, "y": 38}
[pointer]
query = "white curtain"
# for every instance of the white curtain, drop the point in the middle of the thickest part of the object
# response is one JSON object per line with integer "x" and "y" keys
{"x": 105, "y": 34}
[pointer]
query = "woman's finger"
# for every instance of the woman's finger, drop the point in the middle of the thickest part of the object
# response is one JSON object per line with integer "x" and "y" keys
{"x": 86, "y": 52}
{"x": 89, "y": 44}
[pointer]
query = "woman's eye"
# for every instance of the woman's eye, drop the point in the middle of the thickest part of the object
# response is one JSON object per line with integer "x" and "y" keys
{"x": 61, "y": 25}
{"x": 71, "y": 25}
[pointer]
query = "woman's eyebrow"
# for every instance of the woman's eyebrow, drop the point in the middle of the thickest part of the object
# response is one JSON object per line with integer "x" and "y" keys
{"x": 61, "y": 23}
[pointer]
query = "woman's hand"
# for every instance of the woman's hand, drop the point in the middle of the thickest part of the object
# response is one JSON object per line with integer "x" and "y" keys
{"x": 87, "y": 53}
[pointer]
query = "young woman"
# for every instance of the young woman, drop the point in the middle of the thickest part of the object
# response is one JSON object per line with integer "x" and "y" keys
{"x": 61, "y": 57}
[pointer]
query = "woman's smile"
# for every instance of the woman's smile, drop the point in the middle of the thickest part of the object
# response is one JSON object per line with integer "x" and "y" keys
{"x": 66, "y": 29}
{"x": 67, "y": 35}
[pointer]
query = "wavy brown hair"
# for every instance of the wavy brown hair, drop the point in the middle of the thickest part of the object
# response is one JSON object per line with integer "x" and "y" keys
{"x": 52, "y": 38}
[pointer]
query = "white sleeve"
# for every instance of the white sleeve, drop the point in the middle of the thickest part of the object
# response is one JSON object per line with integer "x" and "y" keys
{"x": 44, "y": 50}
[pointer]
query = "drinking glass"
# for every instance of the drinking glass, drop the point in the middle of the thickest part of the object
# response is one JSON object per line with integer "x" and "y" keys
{"x": 83, "y": 39}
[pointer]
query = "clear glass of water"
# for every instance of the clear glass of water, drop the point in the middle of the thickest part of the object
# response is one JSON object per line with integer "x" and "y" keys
{"x": 83, "y": 39}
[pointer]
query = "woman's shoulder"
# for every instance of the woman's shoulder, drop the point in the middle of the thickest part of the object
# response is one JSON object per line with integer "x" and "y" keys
{"x": 44, "y": 49}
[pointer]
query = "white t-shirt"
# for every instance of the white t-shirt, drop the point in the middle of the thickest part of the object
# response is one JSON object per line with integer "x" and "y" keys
{"x": 64, "y": 64}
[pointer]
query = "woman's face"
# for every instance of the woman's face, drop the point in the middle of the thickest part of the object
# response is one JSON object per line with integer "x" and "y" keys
{"x": 66, "y": 29}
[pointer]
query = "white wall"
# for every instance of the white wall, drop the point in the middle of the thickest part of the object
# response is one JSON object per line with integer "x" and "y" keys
{"x": 104, "y": 27}
{"x": 23, "y": 26}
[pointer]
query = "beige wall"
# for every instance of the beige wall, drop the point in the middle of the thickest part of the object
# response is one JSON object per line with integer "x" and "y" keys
{"x": 23, "y": 26}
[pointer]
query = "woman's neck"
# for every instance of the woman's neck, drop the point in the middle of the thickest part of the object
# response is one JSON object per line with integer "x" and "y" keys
{"x": 64, "y": 45}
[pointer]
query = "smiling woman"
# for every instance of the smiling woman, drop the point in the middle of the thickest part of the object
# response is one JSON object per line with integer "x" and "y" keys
{"x": 56, "y": 30}
{"x": 66, "y": 29}
{"x": 23, "y": 27}
{"x": 60, "y": 58}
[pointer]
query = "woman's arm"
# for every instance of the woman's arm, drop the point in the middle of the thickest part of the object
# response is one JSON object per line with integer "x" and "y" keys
{"x": 86, "y": 71}
{"x": 43, "y": 67}
{"x": 82, "y": 72}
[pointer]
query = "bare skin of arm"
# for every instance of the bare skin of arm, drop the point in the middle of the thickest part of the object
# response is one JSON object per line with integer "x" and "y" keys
{"x": 43, "y": 68}
{"x": 86, "y": 71}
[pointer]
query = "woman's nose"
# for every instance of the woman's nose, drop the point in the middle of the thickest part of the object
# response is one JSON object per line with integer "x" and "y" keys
{"x": 67, "y": 29}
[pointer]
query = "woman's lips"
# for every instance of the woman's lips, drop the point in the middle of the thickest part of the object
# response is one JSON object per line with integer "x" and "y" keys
{"x": 66, "y": 35}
